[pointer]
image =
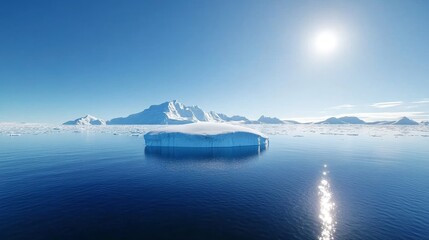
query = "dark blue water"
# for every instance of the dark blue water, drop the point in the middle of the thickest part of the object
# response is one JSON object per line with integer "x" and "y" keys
{"x": 100, "y": 186}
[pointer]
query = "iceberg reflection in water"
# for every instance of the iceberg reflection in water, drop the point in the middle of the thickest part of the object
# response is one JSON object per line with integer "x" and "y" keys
{"x": 219, "y": 153}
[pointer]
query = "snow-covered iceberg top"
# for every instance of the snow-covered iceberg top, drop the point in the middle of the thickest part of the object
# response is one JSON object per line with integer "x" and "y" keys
{"x": 205, "y": 135}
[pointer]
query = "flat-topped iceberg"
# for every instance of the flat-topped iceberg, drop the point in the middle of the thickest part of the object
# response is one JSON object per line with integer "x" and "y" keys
{"x": 205, "y": 135}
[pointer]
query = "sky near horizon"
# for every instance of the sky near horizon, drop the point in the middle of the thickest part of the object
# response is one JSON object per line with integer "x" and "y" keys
{"x": 60, "y": 60}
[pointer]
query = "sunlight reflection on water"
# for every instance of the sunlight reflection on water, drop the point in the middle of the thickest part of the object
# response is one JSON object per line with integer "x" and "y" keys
{"x": 327, "y": 208}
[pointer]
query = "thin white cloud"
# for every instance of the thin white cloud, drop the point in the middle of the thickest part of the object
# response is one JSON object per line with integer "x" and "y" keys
{"x": 387, "y": 104}
{"x": 412, "y": 106}
{"x": 344, "y": 106}
{"x": 421, "y": 101}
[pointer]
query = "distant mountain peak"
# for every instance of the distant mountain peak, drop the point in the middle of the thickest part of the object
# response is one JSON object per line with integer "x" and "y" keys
{"x": 89, "y": 116}
{"x": 343, "y": 120}
{"x": 405, "y": 121}
{"x": 331, "y": 120}
{"x": 269, "y": 120}
{"x": 352, "y": 120}
{"x": 86, "y": 120}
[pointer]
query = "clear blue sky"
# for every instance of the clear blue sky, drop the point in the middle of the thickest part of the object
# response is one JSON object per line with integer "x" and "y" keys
{"x": 63, "y": 59}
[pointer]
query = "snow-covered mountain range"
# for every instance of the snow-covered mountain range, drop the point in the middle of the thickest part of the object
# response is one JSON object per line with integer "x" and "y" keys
{"x": 171, "y": 112}
{"x": 86, "y": 120}
{"x": 355, "y": 120}
{"x": 174, "y": 112}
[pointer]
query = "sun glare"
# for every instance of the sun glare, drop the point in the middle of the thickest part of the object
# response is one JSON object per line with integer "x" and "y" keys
{"x": 326, "y": 42}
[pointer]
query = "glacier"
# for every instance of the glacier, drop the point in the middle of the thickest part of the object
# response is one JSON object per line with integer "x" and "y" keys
{"x": 205, "y": 134}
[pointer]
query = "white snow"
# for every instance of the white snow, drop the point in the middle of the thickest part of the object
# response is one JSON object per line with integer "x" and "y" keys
{"x": 174, "y": 112}
{"x": 205, "y": 135}
{"x": 87, "y": 120}
{"x": 289, "y": 130}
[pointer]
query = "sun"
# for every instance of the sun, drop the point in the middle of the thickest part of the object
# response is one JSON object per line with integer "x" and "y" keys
{"x": 326, "y": 42}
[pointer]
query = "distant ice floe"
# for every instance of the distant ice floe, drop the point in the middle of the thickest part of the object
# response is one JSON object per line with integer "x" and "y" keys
{"x": 344, "y": 130}
{"x": 290, "y": 130}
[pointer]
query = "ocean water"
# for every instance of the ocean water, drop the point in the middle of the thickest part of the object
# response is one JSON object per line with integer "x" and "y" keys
{"x": 326, "y": 182}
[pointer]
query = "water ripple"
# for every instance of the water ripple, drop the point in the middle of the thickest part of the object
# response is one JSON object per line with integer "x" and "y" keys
{"x": 327, "y": 208}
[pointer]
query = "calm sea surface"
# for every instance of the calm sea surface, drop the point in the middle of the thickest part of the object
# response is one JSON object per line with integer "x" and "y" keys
{"x": 307, "y": 185}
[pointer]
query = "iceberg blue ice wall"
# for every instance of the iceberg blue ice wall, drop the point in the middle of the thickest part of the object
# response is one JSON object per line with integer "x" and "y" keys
{"x": 230, "y": 139}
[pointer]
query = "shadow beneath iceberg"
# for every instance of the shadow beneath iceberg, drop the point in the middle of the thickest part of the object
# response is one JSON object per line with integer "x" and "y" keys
{"x": 219, "y": 153}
